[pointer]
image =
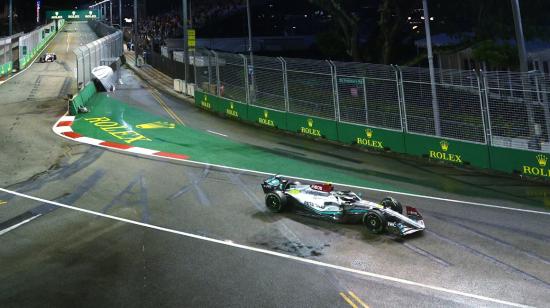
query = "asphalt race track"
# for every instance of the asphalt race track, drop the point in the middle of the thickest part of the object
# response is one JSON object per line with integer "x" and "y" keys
{"x": 153, "y": 232}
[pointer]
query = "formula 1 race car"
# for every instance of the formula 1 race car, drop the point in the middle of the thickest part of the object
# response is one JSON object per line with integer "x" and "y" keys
{"x": 48, "y": 57}
{"x": 322, "y": 201}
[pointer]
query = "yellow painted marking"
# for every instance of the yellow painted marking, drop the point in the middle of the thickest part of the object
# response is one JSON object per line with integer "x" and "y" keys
{"x": 357, "y": 299}
{"x": 347, "y": 299}
{"x": 156, "y": 125}
{"x": 168, "y": 110}
{"x": 2, "y": 202}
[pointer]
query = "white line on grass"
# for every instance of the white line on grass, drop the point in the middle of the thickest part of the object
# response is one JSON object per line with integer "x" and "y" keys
{"x": 271, "y": 253}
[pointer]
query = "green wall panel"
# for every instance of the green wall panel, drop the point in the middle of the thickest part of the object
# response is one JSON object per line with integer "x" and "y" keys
{"x": 371, "y": 137}
{"x": 312, "y": 126}
{"x": 520, "y": 161}
{"x": 267, "y": 117}
{"x": 205, "y": 101}
{"x": 451, "y": 151}
{"x": 231, "y": 109}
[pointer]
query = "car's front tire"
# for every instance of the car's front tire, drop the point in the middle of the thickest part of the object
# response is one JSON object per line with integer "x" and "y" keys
{"x": 375, "y": 222}
{"x": 275, "y": 201}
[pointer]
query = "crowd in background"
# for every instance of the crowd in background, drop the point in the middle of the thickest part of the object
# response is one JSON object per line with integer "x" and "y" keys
{"x": 157, "y": 29}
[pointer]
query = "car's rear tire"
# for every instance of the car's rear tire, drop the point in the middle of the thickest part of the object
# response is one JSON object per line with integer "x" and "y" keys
{"x": 275, "y": 201}
{"x": 375, "y": 222}
{"x": 393, "y": 204}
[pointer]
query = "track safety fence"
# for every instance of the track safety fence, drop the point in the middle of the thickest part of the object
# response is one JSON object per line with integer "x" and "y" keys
{"x": 501, "y": 109}
{"x": 104, "y": 51}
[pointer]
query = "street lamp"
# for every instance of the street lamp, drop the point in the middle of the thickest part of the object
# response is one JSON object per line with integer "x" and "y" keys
{"x": 250, "y": 49}
{"x": 185, "y": 43}
{"x": 520, "y": 40}
{"x": 435, "y": 104}
{"x": 10, "y": 11}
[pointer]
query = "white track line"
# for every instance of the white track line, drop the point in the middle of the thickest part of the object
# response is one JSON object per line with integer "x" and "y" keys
{"x": 459, "y": 202}
{"x": 4, "y": 231}
{"x": 271, "y": 253}
{"x": 216, "y": 133}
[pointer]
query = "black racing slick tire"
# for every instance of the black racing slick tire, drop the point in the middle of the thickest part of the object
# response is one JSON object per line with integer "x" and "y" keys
{"x": 275, "y": 201}
{"x": 393, "y": 204}
{"x": 375, "y": 222}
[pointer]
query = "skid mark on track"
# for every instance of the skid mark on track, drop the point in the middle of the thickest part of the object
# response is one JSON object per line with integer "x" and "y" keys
{"x": 489, "y": 258}
{"x": 46, "y": 208}
{"x": 495, "y": 240}
{"x": 289, "y": 242}
{"x": 194, "y": 185}
{"x": 427, "y": 254}
{"x": 138, "y": 181}
{"x": 537, "y": 236}
{"x": 55, "y": 172}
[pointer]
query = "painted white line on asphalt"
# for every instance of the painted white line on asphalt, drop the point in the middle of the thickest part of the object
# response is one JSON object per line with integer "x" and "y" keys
{"x": 458, "y": 202}
{"x": 269, "y": 252}
{"x": 4, "y": 231}
{"x": 216, "y": 133}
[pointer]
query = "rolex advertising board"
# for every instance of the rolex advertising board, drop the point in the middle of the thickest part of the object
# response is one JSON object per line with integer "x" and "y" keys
{"x": 73, "y": 15}
{"x": 448, "y": 150}
{"x": 312, "y": 126}
{"x": 519, "y": 161}
{"x": 371, "y": 138}
{"x": 267, "y": 117}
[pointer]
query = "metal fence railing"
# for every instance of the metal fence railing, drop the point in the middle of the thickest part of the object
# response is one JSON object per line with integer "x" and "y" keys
{"x": 504, "y": 109}
{"x": 102, "y": 51}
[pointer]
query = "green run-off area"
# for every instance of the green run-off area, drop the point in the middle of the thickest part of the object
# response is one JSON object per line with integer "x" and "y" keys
{"x": 115, "y": 121}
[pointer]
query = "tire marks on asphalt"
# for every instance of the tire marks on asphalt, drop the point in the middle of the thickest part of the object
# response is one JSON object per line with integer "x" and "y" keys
{"x": 143, "y": 200}
{"x": 46, "y": 208}
{"x": 496, "y": 240}
{"x": 426, "y": 254}
{"x": 196, "y": 181}
{"x": 56, "y": 172}
{"x": 489, "y": 258}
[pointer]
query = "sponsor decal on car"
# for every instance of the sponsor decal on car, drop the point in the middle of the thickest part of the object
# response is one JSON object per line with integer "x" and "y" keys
{"x": 369, "y": 142}
{"x": 309, "y": 130}
{"x": 444, "y": 155}
{"x": 117, "y": 130}
{"x": 539, "y": 170}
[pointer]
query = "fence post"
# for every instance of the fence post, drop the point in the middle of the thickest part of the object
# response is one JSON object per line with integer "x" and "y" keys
{"x": 483, "y": 104}
{"x": 401, "y": 98}
{"x": 218, "y": 83}
{"x": 335, "y": 94}
{"x": 285, "y": 83}
{"x": 366, "y": 101}
{"x": 246, "y": 84}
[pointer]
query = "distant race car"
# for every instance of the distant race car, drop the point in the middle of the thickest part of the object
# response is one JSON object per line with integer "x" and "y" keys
{"x": 48, "y": 57}
{"x": 322, "y": 201}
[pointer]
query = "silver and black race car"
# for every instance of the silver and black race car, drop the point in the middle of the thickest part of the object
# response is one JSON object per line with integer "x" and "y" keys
{"x": 322, "y": 201}
{"x": 48, "y": 57}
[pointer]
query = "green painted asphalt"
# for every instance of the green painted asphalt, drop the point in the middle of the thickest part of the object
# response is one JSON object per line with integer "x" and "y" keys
{"x": 114, "y": 121}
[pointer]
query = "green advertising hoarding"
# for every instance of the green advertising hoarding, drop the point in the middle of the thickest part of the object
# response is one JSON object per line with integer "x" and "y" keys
{"x": 267, "y": 117}
{"x": 371, "y": 137}
{"x": 523, "y": 162}
{"x": 448, "y": 150}
{"x": 73, "y": 15}
{"x": 312, "y": 126}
